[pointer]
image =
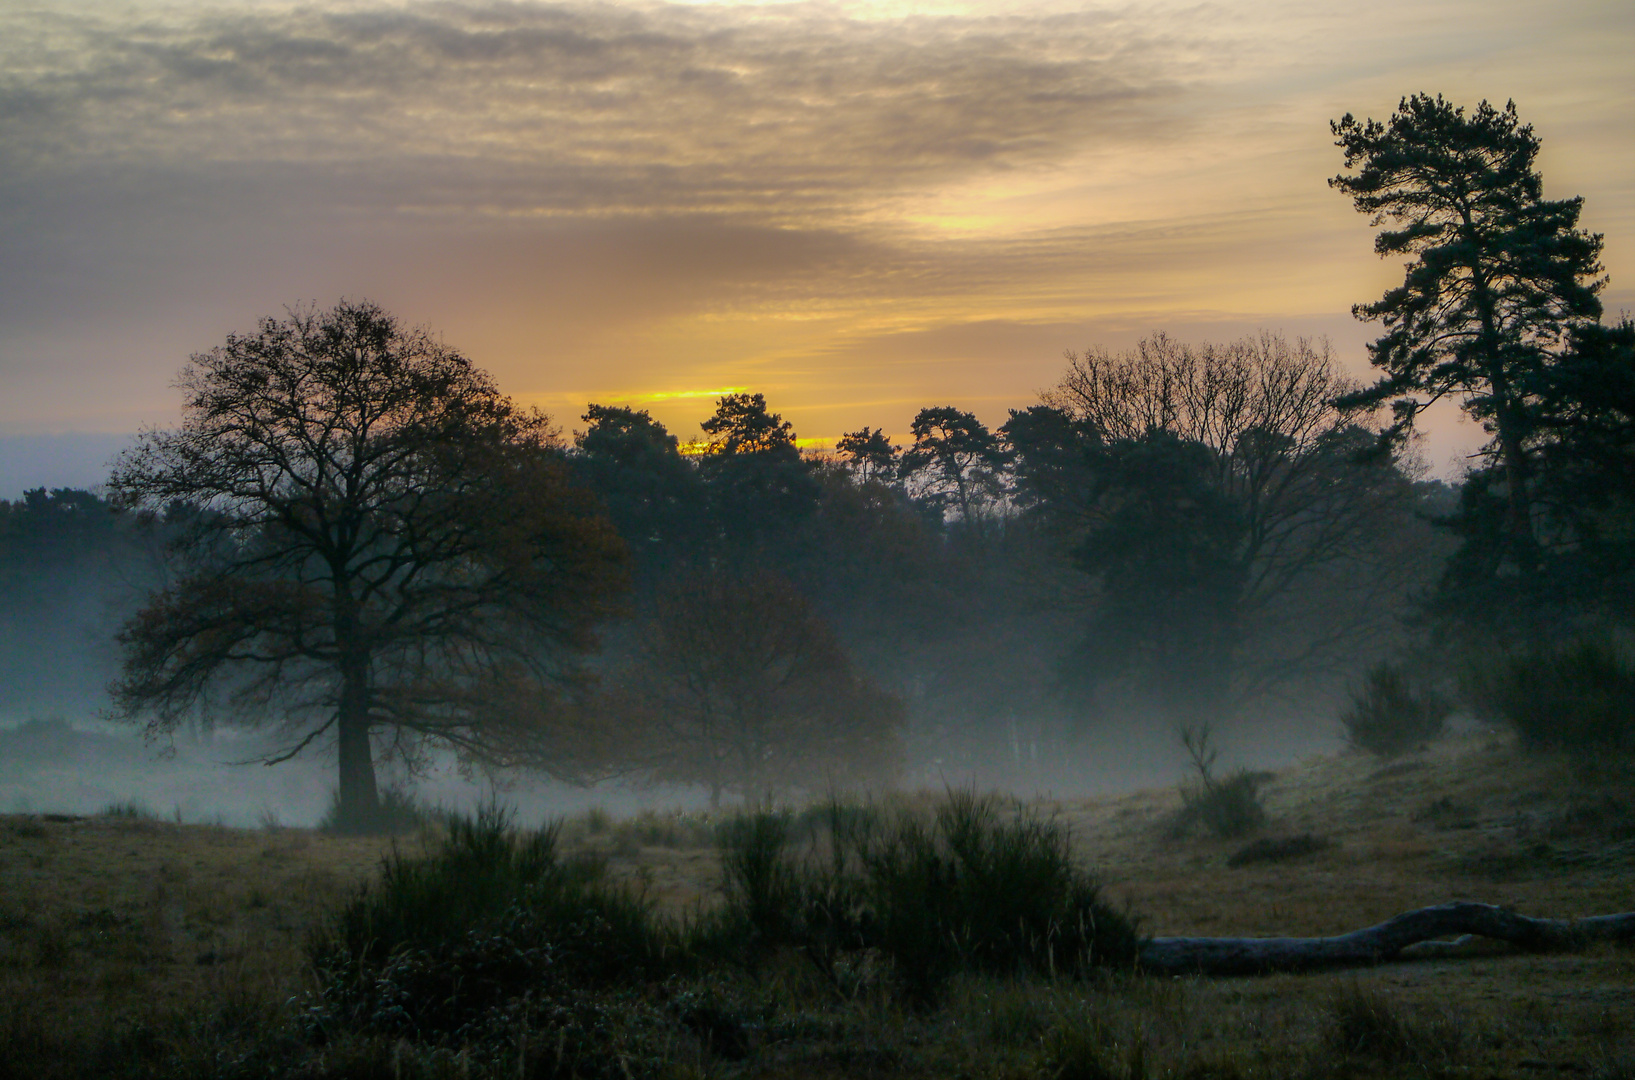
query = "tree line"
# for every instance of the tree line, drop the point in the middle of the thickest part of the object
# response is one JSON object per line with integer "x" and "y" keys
{"x": 354, "y": 539}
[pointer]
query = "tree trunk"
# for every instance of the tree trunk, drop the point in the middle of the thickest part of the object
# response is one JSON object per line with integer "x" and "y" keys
{"x": 358, "y": 809}
{"x": 1389, "y": 940}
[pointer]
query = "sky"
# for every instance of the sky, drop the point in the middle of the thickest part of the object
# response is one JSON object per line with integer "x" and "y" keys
{"x": 858, "y": 209}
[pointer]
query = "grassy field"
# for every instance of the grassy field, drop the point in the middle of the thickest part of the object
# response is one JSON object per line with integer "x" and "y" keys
{"x": 132, "y": 946}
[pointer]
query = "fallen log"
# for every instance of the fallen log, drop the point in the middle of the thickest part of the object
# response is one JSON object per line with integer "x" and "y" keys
{"x": 1413, "y": 930}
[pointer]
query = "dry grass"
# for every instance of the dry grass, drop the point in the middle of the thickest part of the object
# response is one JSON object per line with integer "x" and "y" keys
{"x": 108, "y": 921}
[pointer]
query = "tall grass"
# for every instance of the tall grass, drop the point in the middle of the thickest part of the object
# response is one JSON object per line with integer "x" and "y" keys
{"x": 971, "y": 887}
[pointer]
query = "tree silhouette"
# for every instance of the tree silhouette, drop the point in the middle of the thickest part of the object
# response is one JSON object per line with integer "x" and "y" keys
{"x": 742, "y": 687}
{"x": 1500, "y": 275}
{"x": 870, "y": 454}
{"x": 955, "y": 459}
{"x": 385, "y": 546}
{"x": 1208, "y": 493}
{"x": 650, "y": 490}
{"x": 760, "y": 489}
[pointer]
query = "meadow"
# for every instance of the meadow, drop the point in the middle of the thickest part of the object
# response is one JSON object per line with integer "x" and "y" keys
{"x": 134, "y": 946}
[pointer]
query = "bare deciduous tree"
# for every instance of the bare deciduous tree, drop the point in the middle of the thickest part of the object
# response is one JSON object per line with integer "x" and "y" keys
{"x": 383, "y": 546}
{"x": 742, "y": 687}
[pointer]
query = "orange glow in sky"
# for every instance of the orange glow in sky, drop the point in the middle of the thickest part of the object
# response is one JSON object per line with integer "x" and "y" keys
{"x": 856, "y": 209}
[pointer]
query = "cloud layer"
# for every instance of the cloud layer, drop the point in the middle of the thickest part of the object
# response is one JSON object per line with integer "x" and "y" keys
{"x": 855, "y": 208}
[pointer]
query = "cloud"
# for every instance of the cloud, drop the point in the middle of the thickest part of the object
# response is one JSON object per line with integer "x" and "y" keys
{"x": 517, "y": 109}
{"x": 850, "y": 205}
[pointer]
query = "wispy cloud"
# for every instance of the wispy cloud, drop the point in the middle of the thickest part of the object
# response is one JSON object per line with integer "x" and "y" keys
{"x": 517, "y": 109}
{"x": 850, "y": 205}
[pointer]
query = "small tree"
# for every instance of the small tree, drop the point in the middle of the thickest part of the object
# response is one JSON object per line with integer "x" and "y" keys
{"x": 1389, "y": 715}
{"x": 384, "y": 546}
{"x": 742, "y": 687}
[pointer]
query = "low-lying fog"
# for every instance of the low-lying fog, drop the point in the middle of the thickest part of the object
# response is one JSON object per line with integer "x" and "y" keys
{"x": 81, "y": 765}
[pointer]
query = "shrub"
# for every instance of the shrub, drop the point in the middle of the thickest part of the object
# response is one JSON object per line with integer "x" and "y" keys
{"x": 967, "y": 889}
{"x": 1229, "y": 808}
{"x": 129, "y": 810}
{"x": 1579, "y": 697}
{"x": 1389, "y": 715}
{"x": 490, "y": 931}
{"x": 1279, "y": 850}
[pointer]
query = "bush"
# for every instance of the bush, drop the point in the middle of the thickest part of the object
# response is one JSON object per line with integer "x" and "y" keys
{"x": 488, "y": 935}
{"x": 1229, "y": 808}
{"x": 1389, "y": 716}
{"x": 969, "y": 889}
{"x": 1579, "y": 697}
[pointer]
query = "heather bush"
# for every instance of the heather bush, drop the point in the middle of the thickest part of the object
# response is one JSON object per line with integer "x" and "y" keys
{"x": 1578, "y": 697}
{"x": 1389, "y": 715}
{"x": 968, "y": 888}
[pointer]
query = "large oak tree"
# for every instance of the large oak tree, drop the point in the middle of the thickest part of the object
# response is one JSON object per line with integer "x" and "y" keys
{"x": 383, "y": 551}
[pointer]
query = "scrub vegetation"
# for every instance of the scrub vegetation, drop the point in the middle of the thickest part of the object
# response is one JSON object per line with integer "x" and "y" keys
{"x": 940, "y": 935}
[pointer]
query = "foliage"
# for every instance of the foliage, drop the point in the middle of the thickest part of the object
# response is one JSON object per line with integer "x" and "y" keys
{"x": 1216, "y": 497}
{"x": 1389, "y": 715}
{"x": 870, "y": 454}
{"x": 382, "y": 542}
{"x": 487, "y": 934}
{"x": 649, "y": 490}
{"x": 741, "y": 686}
{"x": 69, "y": 564}
{"x": 760, "y": 490}
{"x": 954, "y": 463}
{"x": 1280, "y": 849}
{"x": 1578, "y": 697}
{"x": 1500, "y": 277}
{"x": 1229, "y": 808}
{"x": 974, "y": 888}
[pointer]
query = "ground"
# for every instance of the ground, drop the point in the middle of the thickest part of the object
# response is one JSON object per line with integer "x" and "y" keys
{"x": 108, "y": 919}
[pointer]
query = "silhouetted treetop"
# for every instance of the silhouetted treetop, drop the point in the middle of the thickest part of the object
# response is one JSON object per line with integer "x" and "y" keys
{"x": 385, "y": 545}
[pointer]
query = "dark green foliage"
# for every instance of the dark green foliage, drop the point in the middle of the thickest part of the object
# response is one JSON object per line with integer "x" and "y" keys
{"x": 953, "y": 464}
{"x": 1501, "y": 280}
{"x": 759, "y": 490}
{"x": 1281, "y": 849}
{"x": 1579, "y": 697}
{"x": 870, "y": 454}
{"x": 1167, "y": 558}
{"x": 1229, "y": 808}
{"x": 1389, "y": 715}
{"x": 489, "y": 935}
{"x": 973, "y": 887}
{"x": 651, "y": 492}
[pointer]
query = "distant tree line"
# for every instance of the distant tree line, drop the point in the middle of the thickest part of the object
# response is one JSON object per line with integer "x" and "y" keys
{"x": 354, "y": 539}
